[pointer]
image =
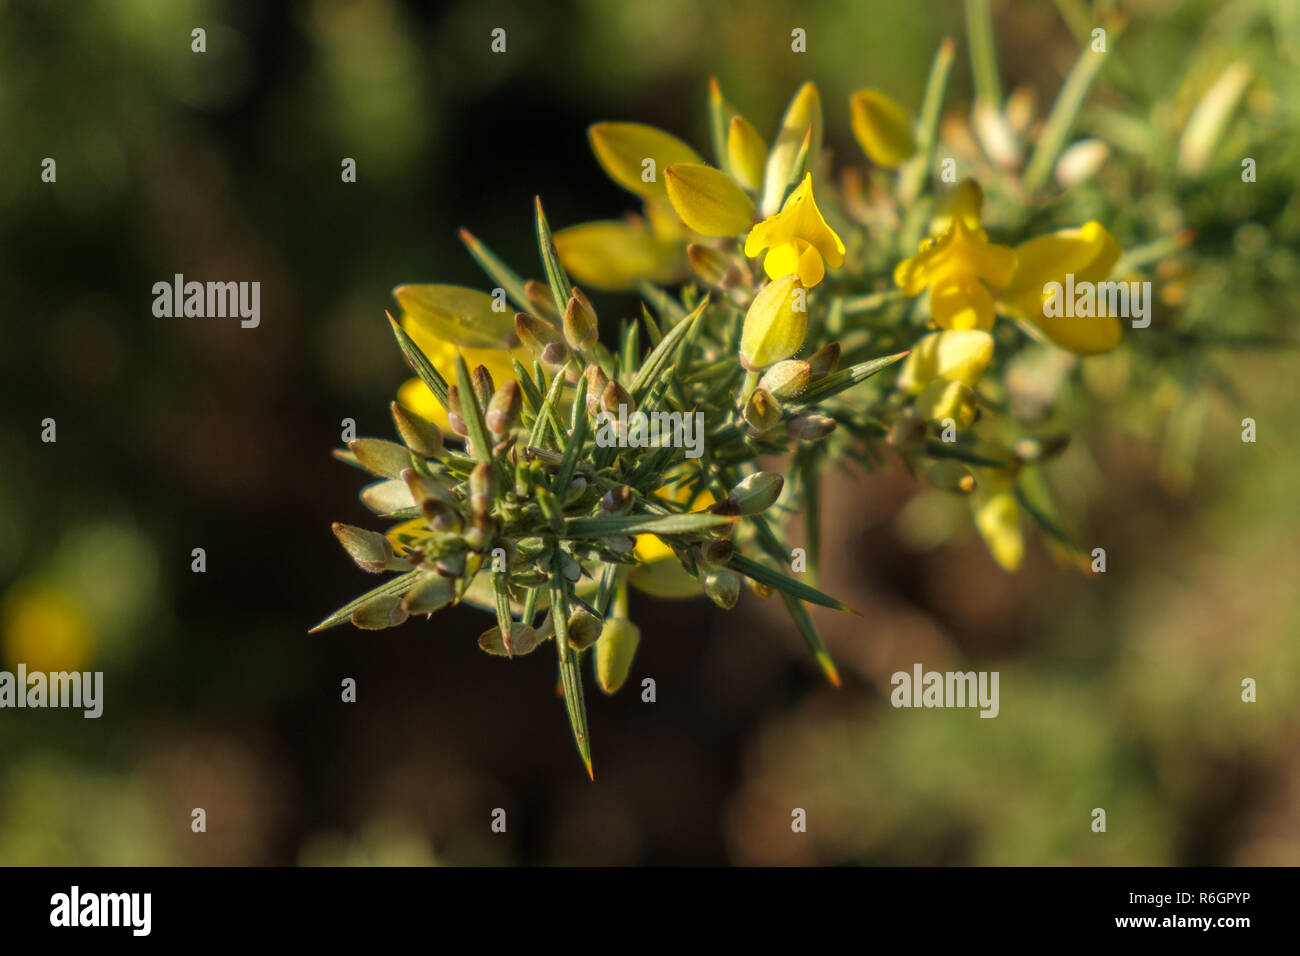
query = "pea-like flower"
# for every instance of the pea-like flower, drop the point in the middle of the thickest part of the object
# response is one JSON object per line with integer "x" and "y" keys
{"x": 797, "y": 239}
{"x": 1089, "y": 253}
{"x": 958, "y": 267}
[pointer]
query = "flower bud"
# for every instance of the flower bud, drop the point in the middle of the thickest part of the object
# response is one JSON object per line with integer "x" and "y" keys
{"x": 370, "y": 550}
{"x": 824, "y": 361}
{"x": 381, "y": 457}
{"x": 746, "y": 153}
{"x": 775, "y": 324}
{"x": 881, "y": 127}
{"x": 482, "y": 489}
{"x": 455, "y": 418}
{"x": 523, "y": 640}
{"x": 617, "y": 501}
{"x": 614, "y": 652}
{"x": 422, "y": 437}
{"x": 483, "y": 385}
{"x": 810, "y": 427}
{"x": 616, "y": 396}
{"x": 597, "y": 381}
{"x": 557, "y": 353}
{"x": 762, "y": 412}
{"x": 384, "y": 610}
{"x": 431, "y": 593}
{"x": 503, "y": 410}
{"x": 713, "y": 267}
{"x": 535, "y": 333}
{"x": 584, "y": 629}
{"x": 788, "y": 379}
{"x": 580, "y": 328}
{"x": 714, "y": 552}
{"x": 723, "y": 587}
{"x": 757, "y": 492}
{"x": 708, "y": 200}
{"x": 540, "y": 298}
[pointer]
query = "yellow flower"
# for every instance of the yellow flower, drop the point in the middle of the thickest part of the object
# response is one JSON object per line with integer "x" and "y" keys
{"x": 1089, "y": 253}
{"x": 46, "y": 628}
{"x": 658, "y": 572}
{"x": 797, "y": 239}
{"x": 958, "y": 267}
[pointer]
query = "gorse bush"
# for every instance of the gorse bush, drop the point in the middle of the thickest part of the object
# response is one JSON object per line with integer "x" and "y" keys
{"x": 935, "y": 305}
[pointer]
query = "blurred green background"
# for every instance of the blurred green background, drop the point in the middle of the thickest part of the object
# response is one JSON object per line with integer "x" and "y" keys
{"x": 1121, "y": 691}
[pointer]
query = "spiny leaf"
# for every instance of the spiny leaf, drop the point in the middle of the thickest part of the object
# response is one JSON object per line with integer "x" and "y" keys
{"x": 498, "y": 271}
{"x": 556, "y": 277}
{"x": 419, "y": 363}
{"x": 602, "y": 525}
{"x": 785, "y": 584}
{"x": 663, "y": 354}
{"x": 471, "y": 413}
{"x": 393, "y": 586}
{"x": 799, "y": 614}
{"x": 846, "y": 378}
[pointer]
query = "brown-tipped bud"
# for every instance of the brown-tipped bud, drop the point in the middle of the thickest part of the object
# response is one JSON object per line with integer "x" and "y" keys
{"x": 580, "y": 328}
{"x": 431, "y": 593}
{"x": 597, "y": 381}
{"x": 714, "y": 553}
{"x": 484, "y": 387}
{"x": 523, "y": 640}
{"x": 455, "y": 416}
{"x": 584, "y": 629}
{"x": 557, "y": 353}
{"x": 723, "y": 587}
{"x": 451, "y": 564}
{"x": 762, "y": 412}
{"x": 379, "y": 612}
{"x": 435, "y": 500}
{"x": 535, "y": 333}
{"x": 908, "y": 432}
{"x": 481, "y": 532}
{"x": 824, "y": 361}
{"x": 369, "y": 549}
{"x": 616, "y": 396}
{"x": 787, "y": 379}
{"x": 728, "y": 507}
{"x": 757, "y": 492}
{"x": 713, "y": 267}
{"x": 422, "y": 437}
{"x": 540, "y": 298}
{"x": 384, "y": 458}
{"x": 617, "y": 501}
{"x": 503, "y": 410}
{"x": 810, "y": 427}
{"x": 577, "y": 488}
{"x": 482, "y": 489}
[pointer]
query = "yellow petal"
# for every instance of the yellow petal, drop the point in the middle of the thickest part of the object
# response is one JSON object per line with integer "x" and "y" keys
{"x": 811, "y": 269}
{"x": 803, "y": 113}
{"x": 799, "y": 221}
{"x": 774, "y": 328}
{"x": 624, "y": 148}
{"x": 746, "y": 152}
{"x": 458, "y": 316}
{"x": 961, "y": 355}
{"x": 946, "y": 399}
{"x": 997, "y": 518}
{"x": 614, "y": 254}
{"x": 962, "y": 304}
{"x": 882, "y": 128}
{"x": 782, "y": 260}
{"x": 708, "y": 200}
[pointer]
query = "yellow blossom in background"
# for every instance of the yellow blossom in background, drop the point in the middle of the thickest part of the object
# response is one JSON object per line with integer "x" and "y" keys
{"x": 882, "y": 128}
{"x": 658, "y": 571}
{"x": 997, "y": 517}
{"x": 958, "y": 267}
{"x": 1089, "y": 253}
{"x": 46, "y": 628}
{"x": 797, "y": 239}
